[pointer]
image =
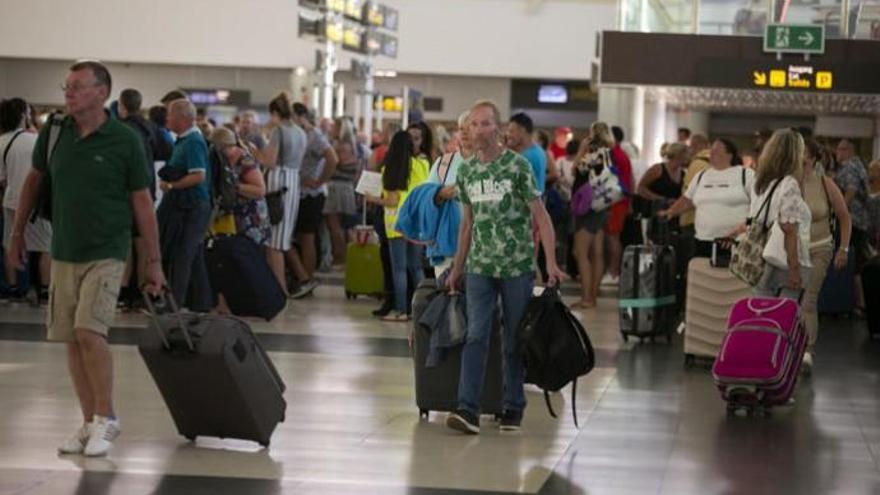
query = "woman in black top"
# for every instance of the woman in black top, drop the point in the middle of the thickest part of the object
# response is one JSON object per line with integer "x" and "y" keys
{"x": 663, "y": 181}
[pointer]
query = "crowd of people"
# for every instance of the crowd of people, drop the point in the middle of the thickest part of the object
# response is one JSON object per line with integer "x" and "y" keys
{"x": 518, "y": 202}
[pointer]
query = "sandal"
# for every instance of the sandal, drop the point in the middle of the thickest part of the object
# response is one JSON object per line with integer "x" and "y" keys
{"x": 398, "y": 317}
{"x": 583, "y": 305}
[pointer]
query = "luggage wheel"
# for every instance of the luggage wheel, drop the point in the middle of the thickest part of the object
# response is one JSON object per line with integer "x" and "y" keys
{"x": 731, "y": 410}
{"x": 424, "y": 413}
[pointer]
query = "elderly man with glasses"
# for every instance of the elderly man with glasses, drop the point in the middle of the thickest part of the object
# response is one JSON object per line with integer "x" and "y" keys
{"x": 99, "y": 189}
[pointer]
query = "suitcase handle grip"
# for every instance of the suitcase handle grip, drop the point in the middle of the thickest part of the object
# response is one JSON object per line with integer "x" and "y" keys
{"x": 166, "y": 298}
{"x": 800, "y": 299}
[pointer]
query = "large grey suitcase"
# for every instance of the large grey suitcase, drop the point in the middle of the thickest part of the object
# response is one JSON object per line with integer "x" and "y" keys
{"x": 214, "y": 376}
{"x": 437, "y": 388}
{"x": 647, "y": 296}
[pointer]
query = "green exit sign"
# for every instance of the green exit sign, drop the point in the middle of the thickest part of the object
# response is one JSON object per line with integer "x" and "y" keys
{"x": 795, "y": 38}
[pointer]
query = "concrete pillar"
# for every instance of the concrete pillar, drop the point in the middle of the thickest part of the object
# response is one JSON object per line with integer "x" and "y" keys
{"x": 697, "y": 122}
{"x": 624, "y": 107}
{"x": 655, "y": 130}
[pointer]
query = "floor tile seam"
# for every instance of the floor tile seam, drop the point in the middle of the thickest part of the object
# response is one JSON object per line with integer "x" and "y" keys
{"x": 875, "y": 456}
{"x": 573, "y": 443}
{"x": 50, "y": 475}
{"x": 666, "y": 464}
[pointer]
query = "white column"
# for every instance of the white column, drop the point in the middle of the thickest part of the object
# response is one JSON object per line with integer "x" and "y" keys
{"x": 655, "y": 130}
{"x": 671, "y": 125}
{"x": 404, "y": 118}
{"x": 330, "y": 65}
{"x": 380, "y": 113}
{"x": 697, "y": 122}
{"x": 624, "y": 107}
{"x": 340, "y": 100}
{"x": 369, "y": 88}
{"x": 358, "y": 108}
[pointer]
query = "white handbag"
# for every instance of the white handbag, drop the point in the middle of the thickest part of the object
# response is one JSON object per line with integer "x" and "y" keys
{"x": 606, "y": 185}
{"x": 774, "y": 250}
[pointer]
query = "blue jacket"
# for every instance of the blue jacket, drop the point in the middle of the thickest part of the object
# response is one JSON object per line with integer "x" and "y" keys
{"x": 420, "y": 220}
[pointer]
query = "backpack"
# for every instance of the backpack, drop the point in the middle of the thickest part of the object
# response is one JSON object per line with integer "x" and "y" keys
{"x": 554, "y": 346}
{"x": 143, "y": 128}
{"x": 223, "y": 188}
{"x": 43, "y": 202}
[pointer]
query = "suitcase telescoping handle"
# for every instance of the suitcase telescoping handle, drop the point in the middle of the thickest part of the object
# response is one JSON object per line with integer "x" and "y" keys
{"x": 800, "y": 299}
{"x": 166, "y": 299}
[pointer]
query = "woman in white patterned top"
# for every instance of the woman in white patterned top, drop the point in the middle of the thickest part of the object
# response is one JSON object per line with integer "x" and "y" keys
{"x": 780, "y": 172}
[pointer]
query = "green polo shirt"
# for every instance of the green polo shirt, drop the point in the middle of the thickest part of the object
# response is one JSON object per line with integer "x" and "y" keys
{"x": 92, "y": 182}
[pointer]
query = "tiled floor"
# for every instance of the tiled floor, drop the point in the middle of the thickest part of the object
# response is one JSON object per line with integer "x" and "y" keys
{"x": 647, "y": 424}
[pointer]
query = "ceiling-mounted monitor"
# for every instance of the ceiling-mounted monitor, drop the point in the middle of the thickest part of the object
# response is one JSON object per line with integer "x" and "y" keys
{"x": 552, "y": 93}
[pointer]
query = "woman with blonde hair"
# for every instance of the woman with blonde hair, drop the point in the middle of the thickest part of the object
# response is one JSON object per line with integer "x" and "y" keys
{"x": 589, "y": 236}
{"x": 618, "y": 212}
{"x": 778, "y": 184}
{"x": 662, "y": 182}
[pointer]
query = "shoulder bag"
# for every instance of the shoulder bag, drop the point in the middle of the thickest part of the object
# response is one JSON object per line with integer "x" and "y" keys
{"x": 747, "y": 259}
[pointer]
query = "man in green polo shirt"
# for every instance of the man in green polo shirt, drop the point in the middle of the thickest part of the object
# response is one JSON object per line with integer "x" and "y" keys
{"x": 100, "y": 186}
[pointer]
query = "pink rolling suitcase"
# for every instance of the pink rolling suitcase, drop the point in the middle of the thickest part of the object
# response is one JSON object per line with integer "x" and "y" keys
{"x": 761, "y": 355}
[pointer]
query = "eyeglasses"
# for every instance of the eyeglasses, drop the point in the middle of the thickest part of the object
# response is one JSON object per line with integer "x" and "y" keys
{"x": 76, "y": 88}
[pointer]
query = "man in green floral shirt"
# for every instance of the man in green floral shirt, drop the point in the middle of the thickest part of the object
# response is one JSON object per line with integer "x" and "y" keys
{"x": 499, "y": 199}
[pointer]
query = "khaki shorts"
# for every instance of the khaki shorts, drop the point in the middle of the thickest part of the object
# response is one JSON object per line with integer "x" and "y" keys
{"x": 83, "y": 296}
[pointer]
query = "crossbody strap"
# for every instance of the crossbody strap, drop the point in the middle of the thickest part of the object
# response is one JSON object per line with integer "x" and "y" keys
{"x": 9, "y": 145}
{"x": 766, "y": 206}
{"x": 832, "y": 217}
{"x": 448, "y": 164}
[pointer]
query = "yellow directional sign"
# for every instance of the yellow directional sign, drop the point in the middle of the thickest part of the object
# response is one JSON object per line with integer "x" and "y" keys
{"x": 760, "y": 78}
{"x": 824, "y": 79}
{"x": 778, "y": 78}
{"x": 792, "y": 77}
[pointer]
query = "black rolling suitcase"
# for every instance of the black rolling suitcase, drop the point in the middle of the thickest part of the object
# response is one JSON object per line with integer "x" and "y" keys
{"x": 214, "y": 375}
{"x": 437, "y": 388}
{"x": 871, "y": 289}
{"x": 238, "y": 269}
{"x": 647, "y": 297}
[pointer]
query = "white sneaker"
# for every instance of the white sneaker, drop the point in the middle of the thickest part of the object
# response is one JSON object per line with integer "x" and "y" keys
{"x": 101, "y": 435}
{"x": 77, "y": 442}
{"x": 609, "y": 279}
{"x": 807, "y": 364}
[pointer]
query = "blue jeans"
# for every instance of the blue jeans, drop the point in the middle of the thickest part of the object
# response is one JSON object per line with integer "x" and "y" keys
{"x": 482, "y": 298}
{"x": 406, "y": 258}
{"x": 187, "y": 263}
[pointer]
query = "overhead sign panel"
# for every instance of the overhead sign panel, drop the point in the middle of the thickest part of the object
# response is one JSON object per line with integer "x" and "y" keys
{"x": 793, "y": 77}
{"x": 795, "y": 38}
{"x": 736, "y": 62}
